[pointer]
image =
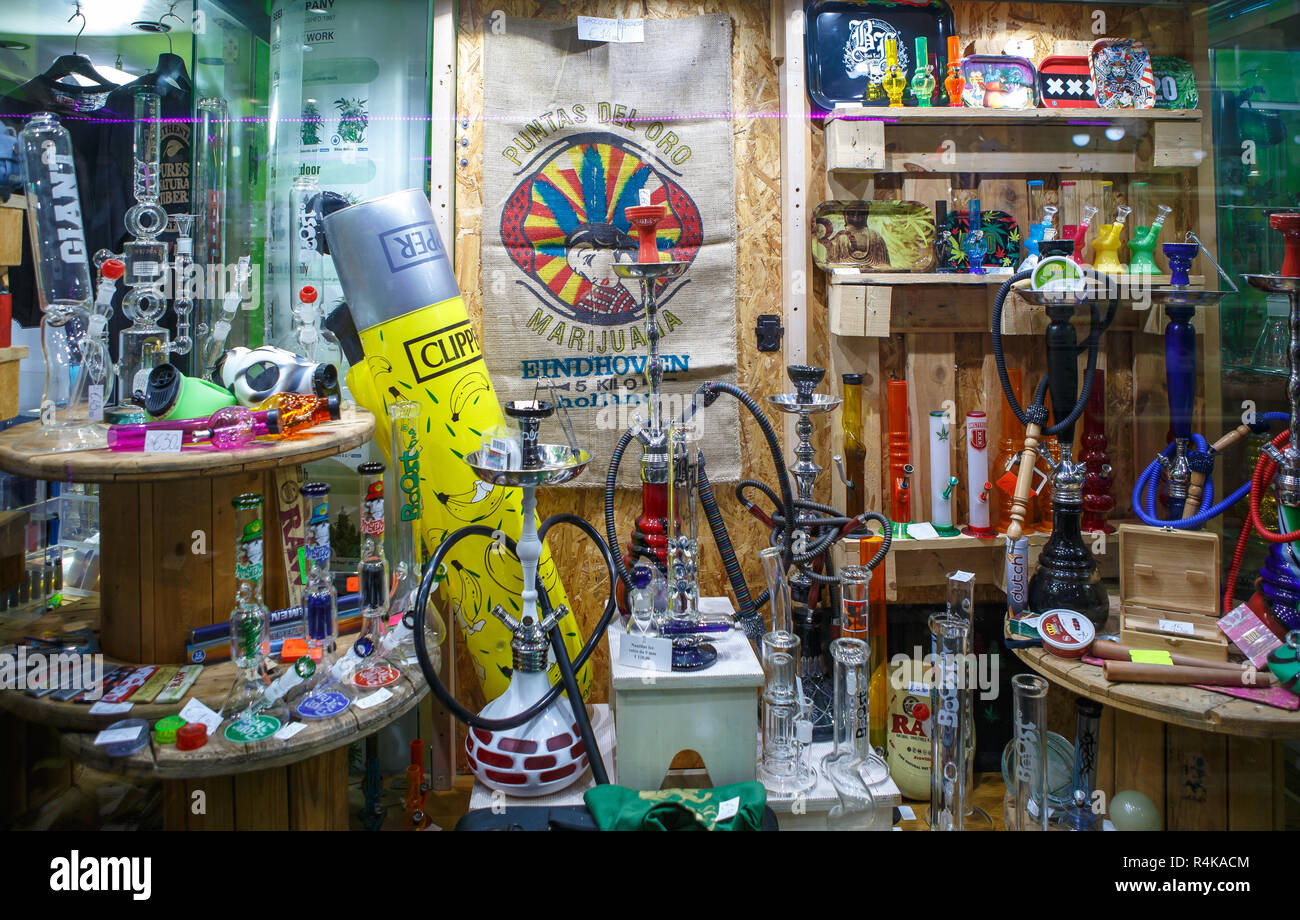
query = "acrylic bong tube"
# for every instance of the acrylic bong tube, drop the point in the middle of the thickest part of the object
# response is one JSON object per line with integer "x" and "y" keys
{"x": 1026, "y": 808}
{"x": 942, "y": 482}
{"x": 63, "y": 284}
{"x": 856, "y": 810}
{"x": 947, "y": 739}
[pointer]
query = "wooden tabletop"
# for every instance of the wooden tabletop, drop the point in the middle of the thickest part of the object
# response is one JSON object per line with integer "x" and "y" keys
{"x": 1187, "y": 706}
{"x": 18, "y": 456}
{"x": 219, "y": 757}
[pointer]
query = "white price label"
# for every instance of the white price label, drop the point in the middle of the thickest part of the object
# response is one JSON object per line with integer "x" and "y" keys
{"x": 379, "y": 696}
{"x": 288, "y": 731}
{"x": 1178, "y": 627}
{"x": 95, "y": 396}
{"x": 596, "y": 29}
{"x": 648, "y": 653}
{"x": 110, "y": 709}
{"x": 198, "y": 711}
{"x": 118, "y": 735}
{"x": 728, "y": 809}
{"x": 162, "y": 442}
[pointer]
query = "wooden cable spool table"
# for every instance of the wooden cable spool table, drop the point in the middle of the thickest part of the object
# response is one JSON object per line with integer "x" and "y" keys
{"x": 167, "y": 549}
{"x": 1209, "y": 761}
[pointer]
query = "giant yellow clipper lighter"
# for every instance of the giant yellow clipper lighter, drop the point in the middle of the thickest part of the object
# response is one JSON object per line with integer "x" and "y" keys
{"x": 420, "y": 345}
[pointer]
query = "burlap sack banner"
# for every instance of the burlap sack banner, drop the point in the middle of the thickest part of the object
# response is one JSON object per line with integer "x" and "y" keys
{"x": 575, "y": 130}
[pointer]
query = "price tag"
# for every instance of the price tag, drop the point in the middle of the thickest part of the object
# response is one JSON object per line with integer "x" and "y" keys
{"x": 288, "y": 731}
{"x": 118, "y": 735}
{"x": 110, "y": 709}
{"x": 374, "y": 699}
{"x": 162, "y": 442}
{"x": 198, "y": 711}
{"x": 728, "y": 809}
{"x": 95, "y": 396}
{"x": 649, "y": 653}
{"x": 1178, "y": 627}
{"x": 596, "y": 29}
{"x": 1150, "y": 656}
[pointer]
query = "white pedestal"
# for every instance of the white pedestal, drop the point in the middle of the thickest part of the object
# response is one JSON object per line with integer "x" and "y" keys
{"x": 602, "y": 726}
{"x": 714, "y": 712}
{"x": 808, "y": 812}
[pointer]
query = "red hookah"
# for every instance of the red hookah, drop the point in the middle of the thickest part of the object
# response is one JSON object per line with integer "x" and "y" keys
{"x": 1097, "y": 497}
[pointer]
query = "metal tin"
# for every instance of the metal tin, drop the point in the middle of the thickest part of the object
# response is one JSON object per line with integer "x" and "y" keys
{"x": 389, "y": 257}
{"x": 1065, "y": 633}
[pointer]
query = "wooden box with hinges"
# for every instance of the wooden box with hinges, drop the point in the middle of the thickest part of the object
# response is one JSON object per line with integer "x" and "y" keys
{"x": 1169, "y": 591}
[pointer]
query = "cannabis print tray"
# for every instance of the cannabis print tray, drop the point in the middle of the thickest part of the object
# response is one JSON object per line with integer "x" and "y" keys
{"x": 873, "y": 236}
{"x": 1001, "y": 234}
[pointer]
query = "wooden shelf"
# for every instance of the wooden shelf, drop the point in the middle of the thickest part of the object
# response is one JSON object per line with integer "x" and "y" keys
{"x": 945, "y": 140}
{"x": 895, "y": 279}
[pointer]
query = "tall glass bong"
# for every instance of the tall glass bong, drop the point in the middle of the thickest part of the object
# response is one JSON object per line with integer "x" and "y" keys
{"x": 786, "y": 732}
{"x": 845, "y": 766}
{"x": 62, "y": 283}
{"x": 948, "y": 789}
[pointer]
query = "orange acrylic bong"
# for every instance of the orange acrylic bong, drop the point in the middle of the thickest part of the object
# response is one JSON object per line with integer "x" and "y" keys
{"x": 953, "y": 84}
{"x": 900, "y": 456}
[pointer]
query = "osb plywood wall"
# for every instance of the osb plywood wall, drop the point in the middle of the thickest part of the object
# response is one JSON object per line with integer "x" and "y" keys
{"x": 758, "y": 278}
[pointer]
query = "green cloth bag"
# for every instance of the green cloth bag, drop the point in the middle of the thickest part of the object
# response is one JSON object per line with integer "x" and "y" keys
{"x": 617, "y": 808}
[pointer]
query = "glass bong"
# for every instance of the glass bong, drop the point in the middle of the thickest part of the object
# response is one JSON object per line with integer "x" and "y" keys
{"x": 320, "y": 609}
{"x": 372, "y": 580}
{"x": 306, "y": 269}
{"x": 63, "y": 285}
{"x": 974, "y": 245}
{"x": 1142, "y": 244}
{"x": 782, "y": 769}
{"x": 856, "y": 810}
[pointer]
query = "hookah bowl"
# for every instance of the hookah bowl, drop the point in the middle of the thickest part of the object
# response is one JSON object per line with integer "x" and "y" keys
{"x": 1289, "y": 226}
{"x": 546, "y": 753}
{"x": 813, "y": 626}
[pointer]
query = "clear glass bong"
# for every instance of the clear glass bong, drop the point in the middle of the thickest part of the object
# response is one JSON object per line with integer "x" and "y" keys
{"x": 845, "y": 766}
{"x": 63, "y": 285}
{"x": 948, "y": 787}
{"x": 855, "y": 582}
{"x": 787, "y": 731}
{"x": 324, "y": 697}
{"x": 373, "y": 581}
{"x": 1026, "y": 807}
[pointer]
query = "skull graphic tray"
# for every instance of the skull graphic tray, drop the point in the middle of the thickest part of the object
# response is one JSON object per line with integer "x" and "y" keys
{"x": 1121, "y": 74}
{"x": 845, "y": 45}
{"x": 873, "y": 236}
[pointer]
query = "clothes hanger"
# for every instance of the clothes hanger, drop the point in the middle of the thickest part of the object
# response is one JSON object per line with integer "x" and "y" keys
{"x": 170, "y": 68}
{"x": 66, "y": 65}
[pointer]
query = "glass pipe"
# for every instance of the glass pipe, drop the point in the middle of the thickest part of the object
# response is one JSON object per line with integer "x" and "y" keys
{"x": 923, "y": 75}
{"x": 953, "y": 84}
{"x": 856, "y": 809}
{"x": 210, "y": 163}
{"x": 320, "y": 610}
{"x": 99, "y": 363}
{"x": 373, "y": 577}
{"x": 875, "y": 92}
{"x": 978, "y": 486}
{"x": 1038, "y": 228}
{"x": 291, "y": 414}
{"x": 894, "y": 82}
{"x": 942, "y": 482}
{"x": 948, "y": 788}
{"x": 232, "y": 427}
{"x": 1026, "y": 804}
{"x": 900, "y": 455}
{"x": 943, "y": 242}
{"x": 1081, "y": 232}
{"x": 404, "y": 418}
{"x": 144, "y": 344}
{"x": 855, "y": 452}
{"x": 973, "y": 244}
{"x": 183, "y": 303}
{"x": 1097, "y": 498}
{"x": 1106, "y": 246}
{"x": 224, "y": 317}
{"x": 778, "y": 588}
{"x": 55, "y": 223}
{"x": 249, "y": 635}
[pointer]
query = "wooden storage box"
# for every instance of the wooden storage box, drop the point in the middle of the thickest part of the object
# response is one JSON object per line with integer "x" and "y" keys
{"x": 1169, "y": 591}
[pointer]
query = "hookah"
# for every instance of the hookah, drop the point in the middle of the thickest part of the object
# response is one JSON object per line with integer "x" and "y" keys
{"x": 953, "y": 84}
{"x": 923, "y": 75}
{"x": 320, "y": 607}
{"x": 528, "y": 741}
{"x": 1188, "y": 460}
{"x": 1066, "y": 575}
{"x": 900, "y": 467}
{"x": 1097, "y": 498}
{"x": 942, "y": 483}
{"x": 1279, "y": 461}
{"x": 974, "y": 245}
{"x": 894, "y": 82}
{"x": 63, "y": 285}
{"x": 977, "y": 473}
{"x": 1142, "y": 243}
{"x": 254, "y": 712}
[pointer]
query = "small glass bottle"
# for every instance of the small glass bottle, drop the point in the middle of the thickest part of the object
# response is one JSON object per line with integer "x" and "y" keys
{"x": 923, "y": 74}
{"x": 1026, "y": 803}
{"x": 855, "y": 452}
{"x": 953, "y": 84}
{"x": 372, "y": 579}
{"x": 894, "y": 82}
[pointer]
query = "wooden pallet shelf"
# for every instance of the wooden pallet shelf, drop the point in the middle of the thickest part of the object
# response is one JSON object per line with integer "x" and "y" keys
{"x": 952, "y": 115}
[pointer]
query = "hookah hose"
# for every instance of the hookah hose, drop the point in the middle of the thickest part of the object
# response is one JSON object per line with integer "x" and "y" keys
{"x": 567, "y": 668}
{"x": 1203, "y": 462}
{"x": 748, "y": 613}
{"x": 1259, "y": 481}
